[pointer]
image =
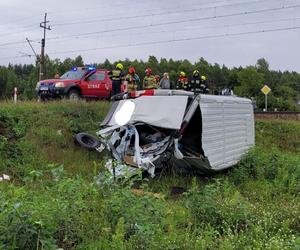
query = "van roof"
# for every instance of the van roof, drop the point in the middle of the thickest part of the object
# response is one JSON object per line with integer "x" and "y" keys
{"x": 204, "y": 97}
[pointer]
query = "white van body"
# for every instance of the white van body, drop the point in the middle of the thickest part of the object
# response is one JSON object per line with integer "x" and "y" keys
{"x": 198, "y": 133}
{"x": 227, "y": 129}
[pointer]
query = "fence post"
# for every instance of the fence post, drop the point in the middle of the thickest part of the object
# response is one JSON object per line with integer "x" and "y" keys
{"x": 15, "y": 95}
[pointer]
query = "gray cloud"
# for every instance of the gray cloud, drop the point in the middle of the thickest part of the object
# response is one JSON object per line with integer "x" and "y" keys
{"x": 20, "y": 19}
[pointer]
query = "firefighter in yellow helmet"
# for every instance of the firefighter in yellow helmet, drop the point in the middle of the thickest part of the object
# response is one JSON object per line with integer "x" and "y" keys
{"x": 182, "y": 82}
{"x": 198, "y": 83}
{"x": 149, "y": 81}
{"x": 203, "y": 86}
{"x": 117, "y": 76}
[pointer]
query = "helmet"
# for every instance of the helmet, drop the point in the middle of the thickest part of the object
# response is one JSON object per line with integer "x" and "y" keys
{"x": 131, "y": 70}
{"x": 182, "y": 74}
{"x": 203, "y": 78}
{"x": 148, "y": 71}
{"x": 196, "y": 73}
{"x": 119, "y": 66}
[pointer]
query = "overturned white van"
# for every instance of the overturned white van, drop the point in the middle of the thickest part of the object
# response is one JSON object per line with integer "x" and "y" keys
{"x": 171, "y": 128}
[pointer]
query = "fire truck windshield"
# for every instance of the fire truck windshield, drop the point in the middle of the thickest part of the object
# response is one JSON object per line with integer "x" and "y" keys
{"x": 73, "y": 75}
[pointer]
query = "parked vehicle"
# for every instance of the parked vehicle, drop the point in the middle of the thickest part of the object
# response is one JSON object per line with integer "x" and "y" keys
{"x": 79, "y": 82}
{"x": 191, "y": 133}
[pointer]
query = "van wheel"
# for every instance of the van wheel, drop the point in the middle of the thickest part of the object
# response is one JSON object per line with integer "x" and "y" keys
{"x": 73, "y": 95}
{"x": 87, "y": 141}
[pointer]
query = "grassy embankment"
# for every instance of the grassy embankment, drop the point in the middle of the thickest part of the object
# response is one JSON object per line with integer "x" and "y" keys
{"x": 55, "y": 200}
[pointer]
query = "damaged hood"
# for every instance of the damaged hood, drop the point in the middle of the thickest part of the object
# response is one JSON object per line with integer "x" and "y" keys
{"x": 153, "y": 110}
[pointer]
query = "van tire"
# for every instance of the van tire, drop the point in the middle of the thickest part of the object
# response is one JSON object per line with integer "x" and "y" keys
{"x": 87, "y": 141}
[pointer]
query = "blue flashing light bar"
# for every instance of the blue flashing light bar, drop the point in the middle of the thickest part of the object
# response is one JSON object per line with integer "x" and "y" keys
{"x": 74, "y": 69}
{"x": 91, "y": 68}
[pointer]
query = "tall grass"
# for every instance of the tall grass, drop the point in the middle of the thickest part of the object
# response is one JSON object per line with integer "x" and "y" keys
{"x": 55, "y": 200}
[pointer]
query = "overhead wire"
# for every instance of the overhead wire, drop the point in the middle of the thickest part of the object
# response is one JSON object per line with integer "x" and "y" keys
{"x": 177, "y": 40}
{"x": 17, "y": 42}
{"x": 139, "y": 16}
{"x": 165, "y": 41}
{"x": 174, "y": 22}
{"x": 34, "y": 26}
{"x": 17, "y": 21}
{"x": 191, "y": 28}
{"x": 283, "y": 7}
{"x": 139, "y": 2}
{"x": 17, "y": 33}
{"x": 243, "y": 13}
{"x": 168, "y": 12}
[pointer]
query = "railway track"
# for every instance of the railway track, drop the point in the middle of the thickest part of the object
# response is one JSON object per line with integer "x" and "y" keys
{"x": 284, "y": 115}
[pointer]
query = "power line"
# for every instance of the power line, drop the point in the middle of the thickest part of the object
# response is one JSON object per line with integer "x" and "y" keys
{"x": 16, "y": 21}
{"x": 12, "y": 57}
{"x": 179, "y": 21}
{"x": 17, "y": 42}
{"x": 189, "y": 20}
{"x": 169, "y": 41}
{"x": 95, "y": 8}
{"x": 25, "y": 54}
{"x": 107, "y": 19}
{"x": 158, "y": 14}
{"x": 193, "y": 28}
{"x": 140, "y": 2}
{"x": 15, "y": 33}
{"x": 12, "y": 43}
{"x": 33, "y": 25}
{"x": 178, "y": 40}
{"x": 168, "y": 23}
{"x": 14, "y": 48}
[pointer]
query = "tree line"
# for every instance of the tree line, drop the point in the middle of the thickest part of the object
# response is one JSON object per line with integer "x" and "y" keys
{"x": 244, "y": 81}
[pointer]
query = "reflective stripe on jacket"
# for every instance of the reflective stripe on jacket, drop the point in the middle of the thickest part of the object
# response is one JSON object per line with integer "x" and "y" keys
{"x": 150, "y": 82}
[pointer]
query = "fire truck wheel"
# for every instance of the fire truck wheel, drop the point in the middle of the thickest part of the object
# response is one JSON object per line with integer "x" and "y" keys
{"x": 73, "y": 95}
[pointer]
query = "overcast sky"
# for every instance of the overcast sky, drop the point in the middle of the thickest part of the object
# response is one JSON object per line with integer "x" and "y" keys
{"x": 175, "y": 29}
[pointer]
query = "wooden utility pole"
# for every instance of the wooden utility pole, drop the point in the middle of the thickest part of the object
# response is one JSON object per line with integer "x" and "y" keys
{"x": 42, "y": 59}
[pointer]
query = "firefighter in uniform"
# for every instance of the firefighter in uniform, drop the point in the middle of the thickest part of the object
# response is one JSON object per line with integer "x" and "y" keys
{"x": 182, "y": 82}
{"x": 117, "y": 77}
{"x": 149, "y": 81}
{"x": 133, "y": 80}
{"x": 198, "y": 83}
{"x": 203, "y": 86}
